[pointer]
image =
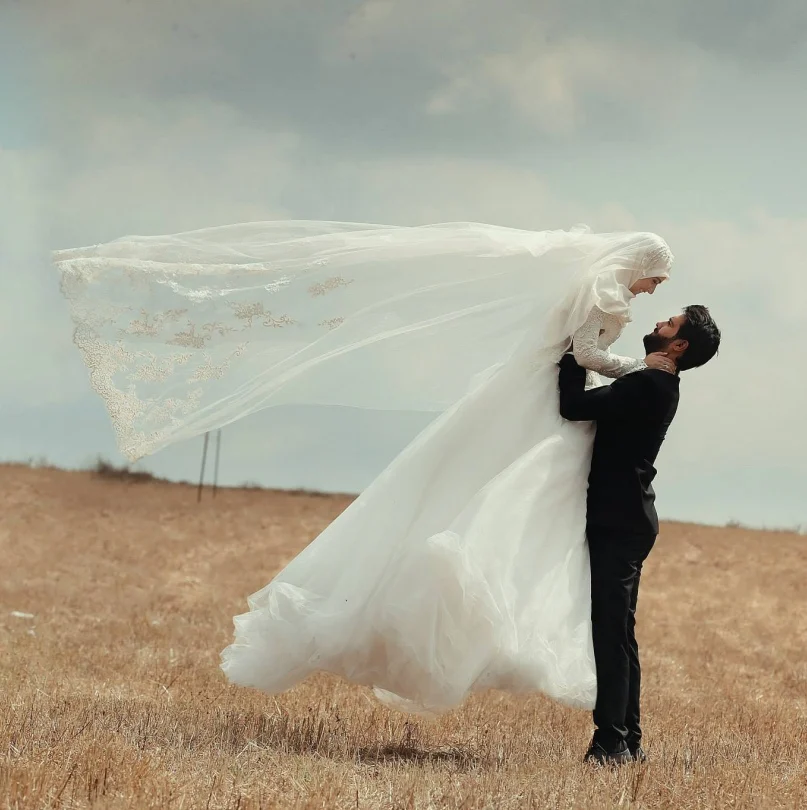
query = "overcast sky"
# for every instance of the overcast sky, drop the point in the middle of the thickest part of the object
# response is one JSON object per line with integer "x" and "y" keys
{"x": 686, "y": 118}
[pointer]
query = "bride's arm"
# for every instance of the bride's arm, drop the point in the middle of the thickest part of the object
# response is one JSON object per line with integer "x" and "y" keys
{"x": 590, "y": 356}
{"x": 627, "y": 398}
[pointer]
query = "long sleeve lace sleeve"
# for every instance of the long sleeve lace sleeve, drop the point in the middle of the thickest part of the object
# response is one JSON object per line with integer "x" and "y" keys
{"x": 588, "y": 354}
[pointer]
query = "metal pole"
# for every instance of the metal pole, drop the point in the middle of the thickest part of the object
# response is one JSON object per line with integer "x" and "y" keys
{"x": 218, "y": 458}
{"x": 204, "y": 464}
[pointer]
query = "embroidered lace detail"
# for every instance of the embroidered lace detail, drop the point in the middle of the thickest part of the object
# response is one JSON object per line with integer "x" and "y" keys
{"x": 132, "y": 346}
{"x": 326, "y": 286}
{"x": 186, "y": 332}
{"x": 189, "y": 338}
{"x": 659, "y": 257}
{"x": 154, "y": 369}
{"x": 105, "y": 360}
{"x": 279, "y": 322}
{"x": 152, "y": 325}
{"x": 592, "y": 340}
{"x": 209, "y": 370}
{"x": 249, "y": 312}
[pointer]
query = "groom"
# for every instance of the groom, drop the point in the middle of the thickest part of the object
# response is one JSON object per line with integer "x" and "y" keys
{"x": 632, "y": 417}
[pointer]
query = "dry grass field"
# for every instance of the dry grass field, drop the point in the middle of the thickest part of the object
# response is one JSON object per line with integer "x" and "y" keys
{"x": 117, "y": 597}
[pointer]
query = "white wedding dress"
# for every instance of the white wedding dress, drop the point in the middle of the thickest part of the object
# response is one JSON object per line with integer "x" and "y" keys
{"x": 463, "y": 566}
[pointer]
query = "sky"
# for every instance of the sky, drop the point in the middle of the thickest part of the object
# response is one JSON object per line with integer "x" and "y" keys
{"x": 687, "y": 118}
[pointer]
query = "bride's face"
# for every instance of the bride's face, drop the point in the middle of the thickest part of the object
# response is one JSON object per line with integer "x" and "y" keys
{"x": 646, "y": 285}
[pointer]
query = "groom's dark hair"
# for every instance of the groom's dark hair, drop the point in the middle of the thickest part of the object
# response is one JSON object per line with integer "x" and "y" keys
{"x": 701, "y": 333}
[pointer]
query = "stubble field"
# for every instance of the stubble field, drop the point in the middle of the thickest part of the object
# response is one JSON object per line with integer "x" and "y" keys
{"x": 117, "y": 596}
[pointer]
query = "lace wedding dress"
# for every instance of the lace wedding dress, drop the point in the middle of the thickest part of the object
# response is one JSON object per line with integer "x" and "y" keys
{"x": 463, "y": 566}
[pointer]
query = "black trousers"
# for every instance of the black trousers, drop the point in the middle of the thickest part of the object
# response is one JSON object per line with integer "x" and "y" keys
{"x": 616, "y": 567}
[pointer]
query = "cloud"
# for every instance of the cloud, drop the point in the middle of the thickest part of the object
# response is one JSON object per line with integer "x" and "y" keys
{"x": 384, "y": 74}
{"x": 164, "y": 117}
{"x": 158, "y": 166}
{"x": 488, "y": 60}
{"x": 424, "y": 189}
{"x": 746, "y": 31}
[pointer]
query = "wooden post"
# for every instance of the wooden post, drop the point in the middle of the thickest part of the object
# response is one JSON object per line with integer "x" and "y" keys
{"x": 218, "y": 459}
{"x": 204, "y": 464}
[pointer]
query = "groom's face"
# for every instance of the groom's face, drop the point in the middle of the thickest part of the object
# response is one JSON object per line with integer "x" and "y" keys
{"x": 664, "y": 334}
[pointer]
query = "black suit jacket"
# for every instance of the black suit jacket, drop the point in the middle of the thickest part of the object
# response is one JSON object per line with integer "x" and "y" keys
{"x": 632, "y": 416}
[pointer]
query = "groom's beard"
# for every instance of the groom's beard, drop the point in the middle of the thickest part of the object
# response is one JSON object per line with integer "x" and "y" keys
{"x": 655, "y": 343}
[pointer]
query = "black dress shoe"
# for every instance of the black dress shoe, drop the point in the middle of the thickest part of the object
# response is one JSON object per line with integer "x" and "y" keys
{"x": 597, "y": 755}
{"x": 638, "y": 754}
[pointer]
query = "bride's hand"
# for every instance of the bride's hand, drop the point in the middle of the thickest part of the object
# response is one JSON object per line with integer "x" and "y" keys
{"x": 660, "y": 361}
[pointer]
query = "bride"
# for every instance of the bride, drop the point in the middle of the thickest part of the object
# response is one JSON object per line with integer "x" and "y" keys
{"x": 463, "y": 566}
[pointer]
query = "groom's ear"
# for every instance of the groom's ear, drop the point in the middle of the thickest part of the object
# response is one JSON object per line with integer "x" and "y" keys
{"x": 680, "y": 345}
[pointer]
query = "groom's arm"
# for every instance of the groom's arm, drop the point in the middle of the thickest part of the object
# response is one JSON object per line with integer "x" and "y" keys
{"x": 626, "y": 397}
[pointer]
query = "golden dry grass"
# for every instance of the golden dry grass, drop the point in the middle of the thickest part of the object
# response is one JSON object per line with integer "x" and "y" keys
{"x": 112, "y": 695}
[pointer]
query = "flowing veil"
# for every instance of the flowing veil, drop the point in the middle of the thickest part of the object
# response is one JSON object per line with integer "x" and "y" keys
{"x": 188, "y": 332}
{"x": 463, "y": 565}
